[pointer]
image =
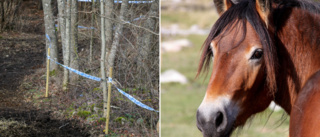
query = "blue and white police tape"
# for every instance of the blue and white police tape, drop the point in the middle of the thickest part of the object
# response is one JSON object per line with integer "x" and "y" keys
{"x": 49, "y": 40}
{"x": 137, "y": 102}
{"x": 109, "y": 80}
{"x": 81, "y": 27}
{"x": 134, "y": 2}
{"x": 138, "y": 18}
{"x": 76, "y": 71}
{"x": 71, "y": 69}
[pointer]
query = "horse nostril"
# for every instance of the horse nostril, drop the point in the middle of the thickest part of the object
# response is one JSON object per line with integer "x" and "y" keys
{"x": 219, "y": 119}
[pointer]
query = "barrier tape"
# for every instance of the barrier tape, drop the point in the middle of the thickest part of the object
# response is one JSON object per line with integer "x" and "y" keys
{"x": 138, "y": 18}
{"x": 76, "y": 71}
{"x": 82, "y": 27}
{"x": 134, "y": 2}
{"x": 137, "y": 102}
{"x": 49, "y": 40}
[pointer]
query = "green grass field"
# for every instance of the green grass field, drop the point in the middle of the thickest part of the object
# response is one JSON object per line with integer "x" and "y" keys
{"x": 180, "y": 102}
{"x": 203, "y": 19}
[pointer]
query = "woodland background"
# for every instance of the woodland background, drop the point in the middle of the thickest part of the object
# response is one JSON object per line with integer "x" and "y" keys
{"x": 75, "y": 104}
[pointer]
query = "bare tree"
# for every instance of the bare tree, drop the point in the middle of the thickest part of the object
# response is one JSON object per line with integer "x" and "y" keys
{"x": 109, "y": 22}
{"x": 118, "y": 32}
{"x": 145, "y": 40}
{"x": 102, "y": 60}
{"x": 74, "y": 58}
{"x": 62, "y": 30}
{"x": 150, "y": 24}
{"x": 92, "y": 30}
{"x": 9, "y": 13}
{"x": 66, "y": 49}
{"x": 50, "y": 30}
{"x": 62, "y": 21}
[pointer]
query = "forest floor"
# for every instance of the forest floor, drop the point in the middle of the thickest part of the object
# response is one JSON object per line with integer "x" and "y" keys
{"x": 24, "y": 111}
{"x": 22, "y": 58}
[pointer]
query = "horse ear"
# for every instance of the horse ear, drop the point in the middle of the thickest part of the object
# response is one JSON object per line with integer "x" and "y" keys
{"x": 222, "y": 5}
{"x": 263, "y": 7}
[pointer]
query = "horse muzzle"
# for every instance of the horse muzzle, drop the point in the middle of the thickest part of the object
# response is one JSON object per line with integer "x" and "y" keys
{"x": 216, "y": 119}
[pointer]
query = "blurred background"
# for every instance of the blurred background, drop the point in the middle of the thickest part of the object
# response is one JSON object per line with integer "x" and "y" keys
{"x": 185, "y": 25}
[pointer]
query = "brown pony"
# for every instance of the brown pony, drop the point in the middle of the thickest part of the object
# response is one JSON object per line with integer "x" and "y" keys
{"x": 262, "y": 51}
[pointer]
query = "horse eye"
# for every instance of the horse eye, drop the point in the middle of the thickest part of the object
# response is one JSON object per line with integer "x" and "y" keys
{"x": 257, "y": 54}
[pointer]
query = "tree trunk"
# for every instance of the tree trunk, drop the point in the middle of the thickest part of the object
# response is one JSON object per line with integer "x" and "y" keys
{"x": 146, "y": 41}
{"x": 50, "y": 30}
{"x": 109, "y": 22}
{"x": 74, "y": 58}
{"x": 92, "y": 30}
{"x": 150, "y": 24}
{"x": 115, "y": 43}
{"x": 102, "y": 60}
{"x": 62, "y": 22}
{"x": 62, "y": 30}
{"x": 66, "y": 55}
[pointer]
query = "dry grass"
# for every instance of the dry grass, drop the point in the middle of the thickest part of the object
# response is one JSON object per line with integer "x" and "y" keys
{"x": 12, "y": 128}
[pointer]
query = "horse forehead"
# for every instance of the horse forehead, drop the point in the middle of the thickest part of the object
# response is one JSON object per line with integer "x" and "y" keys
{"x": 252, "y": 35}
{"x": 236, "y": 39}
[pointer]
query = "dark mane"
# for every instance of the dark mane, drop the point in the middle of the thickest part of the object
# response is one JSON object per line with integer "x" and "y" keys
{"x": 239, "y": 14}
{"x": 280, "y": 13}
{"x": 310, "y": 6}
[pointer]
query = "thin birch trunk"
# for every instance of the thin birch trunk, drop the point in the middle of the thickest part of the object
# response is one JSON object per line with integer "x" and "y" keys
{"x": 118, "y": 32}
{"x": 91, "y": 32}
{"x": 102, "y": 60}
{"x": 62, "y": 23}
{"x": 50, "y": 30}
{"x": 66, "y": 57}
{"x": 74, "y": 58}
{"x": 151, "y": 24}
{"x": 62, "y": 30}
{"x": 109, "y": 22}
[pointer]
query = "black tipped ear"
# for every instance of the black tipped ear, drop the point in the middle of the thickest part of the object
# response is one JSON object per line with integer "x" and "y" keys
{"x": 222, "y": 5}
{"x": 263, "y": 7}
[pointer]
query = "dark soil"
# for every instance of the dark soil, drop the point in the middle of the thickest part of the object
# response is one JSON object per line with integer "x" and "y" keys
{"x": 40, "y": 124}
